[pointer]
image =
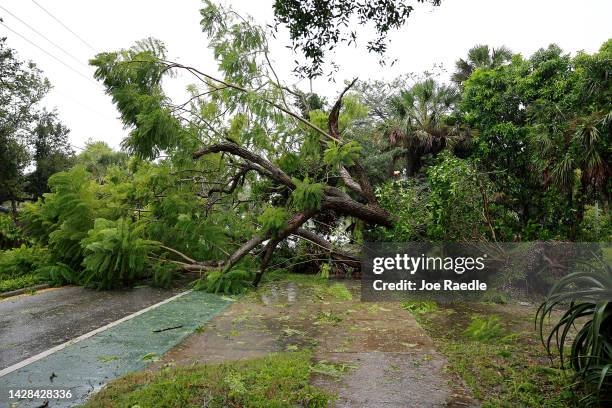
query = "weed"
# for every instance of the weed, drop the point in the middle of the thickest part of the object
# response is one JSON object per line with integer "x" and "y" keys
{"x": 484, "y": 329}
{"x": 420, "y": 307}
{"x": 335, "y": 370}
{"x": 278, "y": 380}
{"x": 327, "y": 318}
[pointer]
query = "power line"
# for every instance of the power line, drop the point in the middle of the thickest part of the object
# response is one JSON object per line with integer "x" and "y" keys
{"x": 45, "y": 37}
{"x": 64, "y": 25}
{"x": 49, "y": 54}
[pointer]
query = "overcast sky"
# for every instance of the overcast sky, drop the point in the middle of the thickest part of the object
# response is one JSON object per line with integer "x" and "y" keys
{"x": 432, "y": 36}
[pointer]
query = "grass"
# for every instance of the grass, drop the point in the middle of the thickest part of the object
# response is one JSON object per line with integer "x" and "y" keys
{"x": 19, "y": 282}
{"x": 497, "y": 353}
{"x": 277, "y": 380}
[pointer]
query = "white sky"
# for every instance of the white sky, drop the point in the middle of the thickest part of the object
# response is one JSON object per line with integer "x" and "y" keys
{"x": 432, "y": 35}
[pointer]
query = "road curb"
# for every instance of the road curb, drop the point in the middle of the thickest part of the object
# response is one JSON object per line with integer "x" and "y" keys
{"x": 23, "y": 290}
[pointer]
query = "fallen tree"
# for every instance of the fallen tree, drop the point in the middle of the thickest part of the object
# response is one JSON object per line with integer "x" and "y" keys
{"x": 246, "y": 123}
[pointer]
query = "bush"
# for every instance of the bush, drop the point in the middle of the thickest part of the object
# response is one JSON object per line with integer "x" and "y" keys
{"x": 409, "y": 202}
{"x": 114, "y": 253}
{"x": 10, "y": 234}
{"x": 58, "y": 274}
{"x": 588, "y": 292}
{"x": 65, "y": 216}
{"x": 22, "y": 261}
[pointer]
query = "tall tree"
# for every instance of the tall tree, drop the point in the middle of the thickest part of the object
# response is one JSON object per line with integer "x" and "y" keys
{"x": 52, "y": 152}
{"x": 420, "y": 124}
{"x": 316, "y": 27}
{"x": 22, "y": 86}
{"x": 480, "y": 56}
{"x": 544, "y": 135}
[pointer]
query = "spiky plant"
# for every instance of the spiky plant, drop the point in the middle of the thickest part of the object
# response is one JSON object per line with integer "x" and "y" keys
{"x": 588, "y": 293}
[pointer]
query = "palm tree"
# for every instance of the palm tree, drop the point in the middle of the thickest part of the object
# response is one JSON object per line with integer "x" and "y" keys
{"x": 420, "y": 124}
{"x": 480, "y": 56}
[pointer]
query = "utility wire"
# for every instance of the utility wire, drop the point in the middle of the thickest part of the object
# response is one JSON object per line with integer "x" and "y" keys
{"x": 64, "y": 25}
{"x": 45, "y": 37}
{"x": 49, "y": 54}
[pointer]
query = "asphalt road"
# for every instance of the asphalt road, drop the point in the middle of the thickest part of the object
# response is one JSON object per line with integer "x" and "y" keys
{"x": 31, "y": 324}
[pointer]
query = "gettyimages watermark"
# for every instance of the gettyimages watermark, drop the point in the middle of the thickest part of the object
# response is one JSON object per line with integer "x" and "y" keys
{"x": 449, "y": 272}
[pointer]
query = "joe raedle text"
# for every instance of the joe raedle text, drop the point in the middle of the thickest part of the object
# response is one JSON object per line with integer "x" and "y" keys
{"x": 424, "y": 286}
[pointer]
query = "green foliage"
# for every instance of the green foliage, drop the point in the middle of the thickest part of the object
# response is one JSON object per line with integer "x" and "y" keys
{"x": 277, "y": 380}
{"x": 21, "y": 261}
{"x": 52, "y": 152}
{"x": 420, "y": 307}
{"x": 23, "y": 87}
{"x": 10, "y": 234}
{"x": 540, "y": 123}
{"x": 273, "y": 219}
{"x": 115, "y": 253}
{"x": 485, "y": 329}
{"x": 306, "y": 195}
{"x": 98, "y": 157}
{"x": 58, "y": 274}
{"x": 163, "y": 274}
{"x": 318, "y": 27}
{"x": 289, "y": 162}
{"x": 456, "y": 200}
{"x": 20, "y": 267}
{"x": 588, "y": 292}
{"x": 338, "y": 154}
{"x": 409, "y": 201}
{"x": 133, "y": 78}
{"x": 233, "y": 282}
{"x": 66, "y": 215}
{"x": 20, "y": 282}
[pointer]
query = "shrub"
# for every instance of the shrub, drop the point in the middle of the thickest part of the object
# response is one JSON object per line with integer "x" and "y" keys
{"x": 114, "y": 253}
{"x": 587, "y": 292}
{"x": 58, "y": 274}
{"x": 10, "y": 234}
{"x": 22, "y": 261}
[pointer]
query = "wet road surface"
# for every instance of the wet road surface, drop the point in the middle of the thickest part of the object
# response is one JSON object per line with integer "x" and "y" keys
{"x": 80, "y": 369}
{"x": 31, "y": 324}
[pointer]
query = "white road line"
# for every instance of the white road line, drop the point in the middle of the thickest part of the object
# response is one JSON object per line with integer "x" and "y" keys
{"x": 46, "y": 353}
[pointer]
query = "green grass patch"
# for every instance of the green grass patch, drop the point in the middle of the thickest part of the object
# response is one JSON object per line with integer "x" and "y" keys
{"x": 19, "y": 282}
{"x": 278, "y": 380}
{"x": 499, "y": 357}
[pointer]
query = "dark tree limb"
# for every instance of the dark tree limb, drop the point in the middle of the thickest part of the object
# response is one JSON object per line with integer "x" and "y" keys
{"x": 372, "y": 214}
{"x": 362, "y": 184}
{"x": 292, "y": 225}
{"x": 275, "y": 172}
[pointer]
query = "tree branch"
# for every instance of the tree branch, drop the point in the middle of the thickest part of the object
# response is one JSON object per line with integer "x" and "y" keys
{"x": 274, "y": 172}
